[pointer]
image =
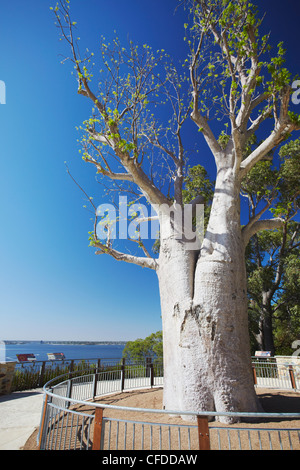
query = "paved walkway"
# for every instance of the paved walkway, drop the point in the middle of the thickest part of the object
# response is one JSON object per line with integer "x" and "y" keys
{"x": 20, "y": 415}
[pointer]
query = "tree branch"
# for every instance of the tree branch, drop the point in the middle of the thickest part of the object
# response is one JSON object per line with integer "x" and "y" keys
{"x": 113, "y": 135}
{"x": 274, "y": 139}
{"x": 267, "y": 224}
{"x": 108, "y": 172}
{"x": 144, "y": 262}
{"x": 199, "y": 120}
{"x": 207, "y": 133}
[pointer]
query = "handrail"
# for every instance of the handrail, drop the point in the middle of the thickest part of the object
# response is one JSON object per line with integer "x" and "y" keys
{"x": 164, "y": 411}
{"x": 84, "y": 385}
{"x": 29, "y": 375}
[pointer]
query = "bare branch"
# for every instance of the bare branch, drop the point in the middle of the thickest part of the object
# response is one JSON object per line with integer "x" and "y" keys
{"x": 113, "y": 136}
{"x": 274, "y": 139}
{"x": 108, "y": 172}
{"x": 144, "y": 262}
{"x": 266, "y": 224}
{"x": 81, "y": 189}
{"x": 207, "y": 133}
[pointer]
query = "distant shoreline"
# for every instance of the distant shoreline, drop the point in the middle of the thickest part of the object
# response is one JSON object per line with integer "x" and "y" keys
{"x": 77, "y": 343}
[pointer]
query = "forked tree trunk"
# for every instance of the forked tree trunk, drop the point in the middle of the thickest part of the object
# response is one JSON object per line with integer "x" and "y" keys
{"x": 204, "y": 312}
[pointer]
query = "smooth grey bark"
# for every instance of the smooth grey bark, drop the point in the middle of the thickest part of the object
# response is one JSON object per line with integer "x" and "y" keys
{"x": 204, "y": 313}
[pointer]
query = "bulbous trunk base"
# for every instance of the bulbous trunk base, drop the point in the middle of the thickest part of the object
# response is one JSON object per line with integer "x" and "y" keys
{"x": 205, "y": 313}
{"x": 207, "y": 362}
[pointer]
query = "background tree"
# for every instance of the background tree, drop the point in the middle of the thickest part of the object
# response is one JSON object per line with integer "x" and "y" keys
{"x": 140, "y": 349}
{"x": 135, "y": 139}
{"x": 272, "y": 255}
{"x": 273, "y": 285}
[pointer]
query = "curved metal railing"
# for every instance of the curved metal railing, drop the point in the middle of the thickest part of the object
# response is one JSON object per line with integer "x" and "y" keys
{"x": 72, "y": 420}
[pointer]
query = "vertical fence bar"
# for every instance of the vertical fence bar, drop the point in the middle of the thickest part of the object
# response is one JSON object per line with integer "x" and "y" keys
{"x": 151, "y": 373}
{"x": 42, "y": 373}
{"x": 123, "y": 374}
{"x": 71, "y": 368}
{"x": 148, "y": 362}
{"x": 254, "y": 375}
{"x": 98, "y": 423}
{"x": 203, "y": 433}
{"x": 69, "y": 392}
{"x": 95, "y": 382}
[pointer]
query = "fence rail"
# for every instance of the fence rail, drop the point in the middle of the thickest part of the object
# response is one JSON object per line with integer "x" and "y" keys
{"x": 70, "y": 420}
{"x": 266, "y": 373}
{"x": 30, "y": 375}
{"x": 276, "y": 375}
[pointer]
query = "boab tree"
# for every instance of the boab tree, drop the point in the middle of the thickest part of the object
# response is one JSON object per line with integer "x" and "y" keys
{"x": 203, "y": 287}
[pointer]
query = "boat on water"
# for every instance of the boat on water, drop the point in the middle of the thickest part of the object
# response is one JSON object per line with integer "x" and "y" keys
{"x": 26, "y": 357}
{"x": 31, "y": 357}
{"x": 56, "y": 356}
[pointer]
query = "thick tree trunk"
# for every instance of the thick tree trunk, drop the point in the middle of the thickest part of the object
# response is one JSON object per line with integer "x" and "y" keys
{"x": 265, "y": 339}
{"x": 204, "y": 313}
{"x": 266, "y": 324}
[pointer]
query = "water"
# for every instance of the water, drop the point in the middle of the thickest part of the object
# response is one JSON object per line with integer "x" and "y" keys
{"x": 71, "y": 351}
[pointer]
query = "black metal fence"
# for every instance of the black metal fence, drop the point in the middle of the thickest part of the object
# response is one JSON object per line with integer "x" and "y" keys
{"x": 27, "y": 376}
{"x": 31, "y": 375}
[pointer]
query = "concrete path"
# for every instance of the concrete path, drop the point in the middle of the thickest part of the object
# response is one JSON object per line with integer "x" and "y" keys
{"x": 20, "y": 415}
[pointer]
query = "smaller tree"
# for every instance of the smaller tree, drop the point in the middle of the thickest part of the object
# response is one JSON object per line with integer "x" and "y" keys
{"x": 140, "y": 349}
{"x": 273, "y": 256}
{"x": 287, "y": 329}
{"x": 273, "y": 287}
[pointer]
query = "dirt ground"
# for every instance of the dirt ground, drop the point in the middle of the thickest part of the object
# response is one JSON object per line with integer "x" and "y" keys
{"x": 134, "y": 436}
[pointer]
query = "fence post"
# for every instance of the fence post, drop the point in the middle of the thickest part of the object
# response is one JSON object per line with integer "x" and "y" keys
{"x": 42, "y": 373}
{"x": 69, "y": 392}
{"x": 254, "y": 374}
{"x": 123, "y": 374}
{"x": 151, "y": 372}
{"x": 148, "y": 360}
{"x": 95, "y": 381}
{"x": 71, "y": 368}
{"x": 203, "y": 433}
{"x": 43, "y": 421}
{"x": 98, "y": 422}
{"x": 292, "y": 377}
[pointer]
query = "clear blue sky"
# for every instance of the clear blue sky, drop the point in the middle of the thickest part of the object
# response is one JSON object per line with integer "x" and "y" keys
{"x": 52, "y": 286}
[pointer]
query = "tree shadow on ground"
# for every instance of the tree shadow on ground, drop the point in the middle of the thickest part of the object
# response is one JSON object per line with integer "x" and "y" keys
{"x": 277, "y": 403}
{"x": 16, "y": 395}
